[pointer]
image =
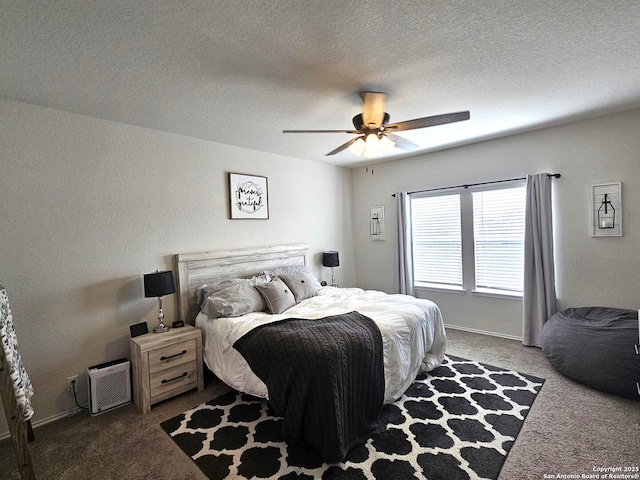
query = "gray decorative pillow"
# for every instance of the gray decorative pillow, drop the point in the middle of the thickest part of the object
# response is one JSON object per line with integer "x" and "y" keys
{"x": 302, "y": 285}
{"x": 277, "y": 295}
{"x": 234, "y": 301}
{"x": 293, "y": 269}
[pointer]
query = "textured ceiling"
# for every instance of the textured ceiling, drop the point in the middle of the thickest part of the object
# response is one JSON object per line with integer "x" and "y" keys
{"x": 241, "y": 71}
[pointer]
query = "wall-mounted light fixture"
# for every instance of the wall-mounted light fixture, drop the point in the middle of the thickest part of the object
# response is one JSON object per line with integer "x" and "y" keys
{"x": 606, "y": 213}
{"x": 376, "y": 223}
{"x": 606, "y": 210}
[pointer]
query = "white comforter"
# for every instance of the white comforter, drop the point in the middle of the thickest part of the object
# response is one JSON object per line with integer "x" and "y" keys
{"x": 412, "y": 329}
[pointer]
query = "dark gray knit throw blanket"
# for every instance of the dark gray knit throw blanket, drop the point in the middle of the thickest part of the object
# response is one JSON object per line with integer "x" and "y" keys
{"x": 325, "y": 378}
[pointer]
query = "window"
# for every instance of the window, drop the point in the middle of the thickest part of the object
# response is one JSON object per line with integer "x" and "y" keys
{"x": 437, "y": 240}
{"x": 498, "y": 233}
{"x": 470, "y": 239}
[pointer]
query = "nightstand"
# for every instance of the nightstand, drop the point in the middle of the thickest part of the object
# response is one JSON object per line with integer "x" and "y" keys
{"x": 166, "y": 364}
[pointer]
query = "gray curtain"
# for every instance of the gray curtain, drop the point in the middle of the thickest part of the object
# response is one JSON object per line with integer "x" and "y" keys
{"x": 539, "y": 296}
{"x": 404, "y": 259}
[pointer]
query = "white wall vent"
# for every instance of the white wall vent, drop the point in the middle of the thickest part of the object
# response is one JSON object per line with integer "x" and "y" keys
{"x": 109, "y": 385}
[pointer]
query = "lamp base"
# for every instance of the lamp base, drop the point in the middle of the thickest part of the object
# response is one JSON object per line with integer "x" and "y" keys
{"x": 162, "y": 328}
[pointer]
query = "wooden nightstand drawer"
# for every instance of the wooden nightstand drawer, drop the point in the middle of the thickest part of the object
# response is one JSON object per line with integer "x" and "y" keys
{"x": 172, "y": 378}
{"x": 166, "y": 364}
{"x": 171, "y": 355}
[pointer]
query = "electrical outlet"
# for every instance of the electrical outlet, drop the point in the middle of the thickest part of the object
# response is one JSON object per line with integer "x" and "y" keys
{"x": 70, "y": 382}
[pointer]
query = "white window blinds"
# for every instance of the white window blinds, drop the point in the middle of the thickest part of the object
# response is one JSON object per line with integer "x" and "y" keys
{"x": 498, "y": 230}
{"x": 437, "y": 240}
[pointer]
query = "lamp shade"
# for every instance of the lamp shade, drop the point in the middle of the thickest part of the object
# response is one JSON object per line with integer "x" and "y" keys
{"x": 159, "y": 284}
{"x": 330, "y": 259}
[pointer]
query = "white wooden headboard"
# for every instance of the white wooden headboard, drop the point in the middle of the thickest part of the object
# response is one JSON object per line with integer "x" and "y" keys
{"x": 197, "y": 269}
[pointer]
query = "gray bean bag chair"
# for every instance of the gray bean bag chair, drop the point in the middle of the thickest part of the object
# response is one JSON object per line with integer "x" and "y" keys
{"x": 595, "y": 346}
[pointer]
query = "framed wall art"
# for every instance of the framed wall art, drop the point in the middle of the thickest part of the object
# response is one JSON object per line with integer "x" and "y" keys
{"x": 248, "y": 197}
{"x": 376, "y": 223}
{"x": 606, "y": 210}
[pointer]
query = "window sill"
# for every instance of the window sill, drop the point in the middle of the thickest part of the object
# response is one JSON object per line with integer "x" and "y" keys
{"x": 440, "y": 288}
{"x": 488, "y": 292}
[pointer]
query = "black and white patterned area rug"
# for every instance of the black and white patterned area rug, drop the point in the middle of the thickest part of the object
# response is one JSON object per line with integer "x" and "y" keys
{"x": 457, "y": 422}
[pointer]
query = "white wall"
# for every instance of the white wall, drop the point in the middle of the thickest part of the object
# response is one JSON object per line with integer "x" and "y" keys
{"x": 589, "y": 271}
{"x": 87, "y": 206}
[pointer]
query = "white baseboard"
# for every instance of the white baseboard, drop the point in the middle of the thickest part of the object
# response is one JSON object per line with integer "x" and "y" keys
{"x": 44, "y": 421}
{"x": 483, "y": 332}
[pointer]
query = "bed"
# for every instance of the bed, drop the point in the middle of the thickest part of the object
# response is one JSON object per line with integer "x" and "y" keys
{"x": 410, "y": 333}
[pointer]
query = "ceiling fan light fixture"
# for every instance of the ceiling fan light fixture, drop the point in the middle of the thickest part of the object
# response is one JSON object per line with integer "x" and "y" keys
{"x": 372, "y": 140}
{"x": 357, "y": 147}
{"x": 372, "y": 145}
{"x": 375, "y": 135}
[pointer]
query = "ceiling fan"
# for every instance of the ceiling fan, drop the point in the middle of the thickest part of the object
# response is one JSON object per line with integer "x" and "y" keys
{"x": 376, "y": 135}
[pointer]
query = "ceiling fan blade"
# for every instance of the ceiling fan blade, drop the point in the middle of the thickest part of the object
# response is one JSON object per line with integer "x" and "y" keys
{"x": 429, "y": 121}
{"x": 342, "y": 147}
{"x": 320, "y": 131}
{"x": 373, "y": 104}
{"x": 401, "y": 142}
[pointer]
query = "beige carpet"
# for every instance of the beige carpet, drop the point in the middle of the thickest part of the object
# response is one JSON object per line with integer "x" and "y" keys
{"x": 570, "y": 429}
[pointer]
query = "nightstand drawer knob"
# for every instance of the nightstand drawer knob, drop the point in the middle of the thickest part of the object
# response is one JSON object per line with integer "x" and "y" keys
{"x": 183, "y": 352}
{"x": 176, "y": 378}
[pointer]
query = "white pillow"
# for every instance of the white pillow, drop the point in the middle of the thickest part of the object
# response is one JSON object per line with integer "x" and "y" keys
{"x": 234, "y": 301}
{"x": 207, "y": 289}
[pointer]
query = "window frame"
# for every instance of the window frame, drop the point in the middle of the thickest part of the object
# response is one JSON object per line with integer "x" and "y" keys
{"x": 468, "y": 241}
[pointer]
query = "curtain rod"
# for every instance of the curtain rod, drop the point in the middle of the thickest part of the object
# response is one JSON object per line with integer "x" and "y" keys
{"x": 467, "y": 185}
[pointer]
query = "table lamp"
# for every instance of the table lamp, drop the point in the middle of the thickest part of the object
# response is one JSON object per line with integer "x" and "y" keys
{"x": 330, "y": 259}
{"x": 159, "y": 284}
